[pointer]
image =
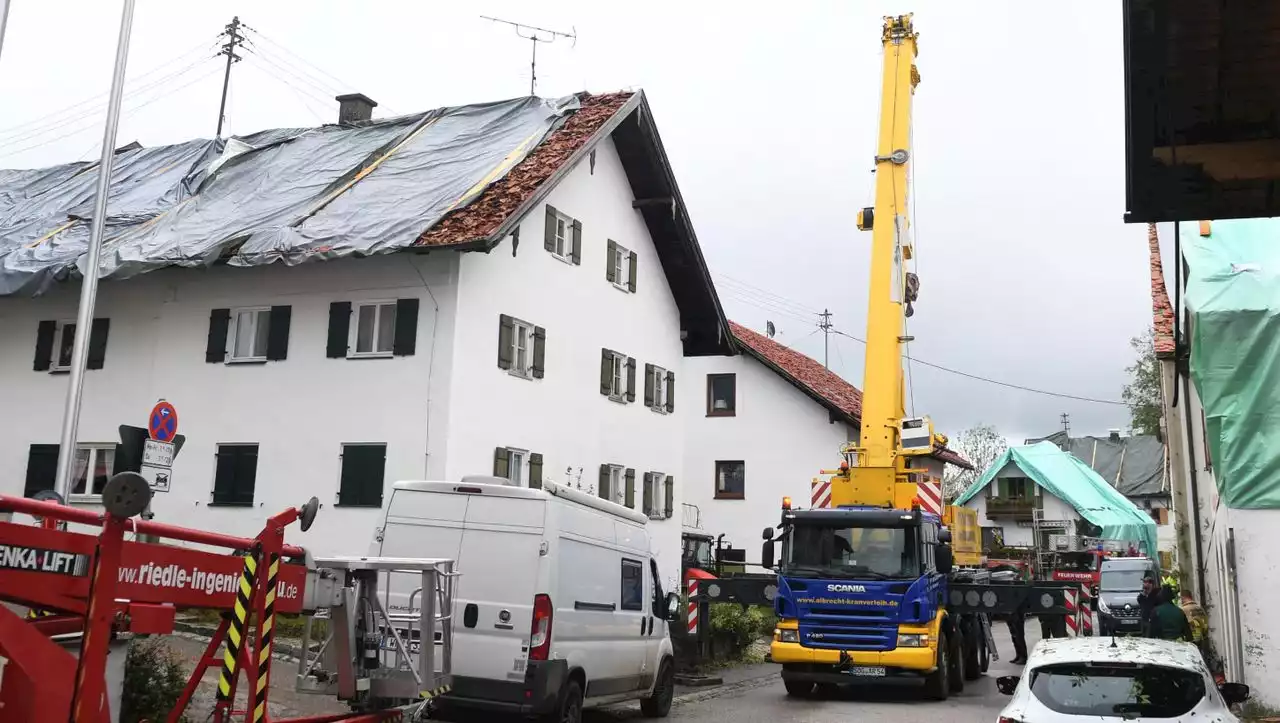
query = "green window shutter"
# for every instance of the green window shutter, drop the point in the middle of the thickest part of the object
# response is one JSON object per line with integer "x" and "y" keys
{"x": 501, "y": 462}
{"x": 535, "y": 471}
{"x": 42, "y": 468}
{"x": 45, "y": 331}
{"x": 539, "y": 352}
{"x": 98, "y": 343}
{"x": 549, "y": 238}
{"x": 670, "y": 497}
{"x": 606, "y": 371}
{"x": 608, "y": 258}
{"x": 577, "y": 243}
{"x": 631, "y": 273}
{"x": 631, "y": 379}
{"x": 506, "y": 333}
{"x": 671, "y": 391}
{"x": 363, "y": 474}
{"x": 648, "y": 385}
{"x": 602, "y": 485}
{"x": 337, "y": 339}
{"x": 631, "y": 488}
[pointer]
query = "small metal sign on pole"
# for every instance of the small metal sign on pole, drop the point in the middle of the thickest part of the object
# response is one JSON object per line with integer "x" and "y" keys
{"x": 158, "y": 451}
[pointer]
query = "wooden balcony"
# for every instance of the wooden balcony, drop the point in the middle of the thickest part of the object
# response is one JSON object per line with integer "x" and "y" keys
{"x": 1010, "y": 508}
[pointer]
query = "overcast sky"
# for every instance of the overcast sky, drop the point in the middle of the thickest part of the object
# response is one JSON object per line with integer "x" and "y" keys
{"x": 1028, "y": 273}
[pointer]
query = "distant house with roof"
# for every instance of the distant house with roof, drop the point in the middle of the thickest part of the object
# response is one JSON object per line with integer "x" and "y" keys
{"x": 506, "y": 288}
{"x": 765, "y": 422}
{"x": 1136, "y": 466}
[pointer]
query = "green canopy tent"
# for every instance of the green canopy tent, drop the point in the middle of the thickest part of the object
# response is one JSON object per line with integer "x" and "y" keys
{"x": 1072, "y": 481}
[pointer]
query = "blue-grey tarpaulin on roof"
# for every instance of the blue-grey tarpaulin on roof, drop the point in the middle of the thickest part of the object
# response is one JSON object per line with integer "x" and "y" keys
{"x": 1075, "y": 483}
{"x": 289, "y": 195}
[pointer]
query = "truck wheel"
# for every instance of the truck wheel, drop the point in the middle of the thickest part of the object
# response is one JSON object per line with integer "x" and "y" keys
{"x": 937, "y": 685}
{"x": 972, "y": 642}
{"x": 985, "y": 656}
{"x": 658, "y": 705}
{"x": 955, "y": 652}
{"x": 798, "y": 688}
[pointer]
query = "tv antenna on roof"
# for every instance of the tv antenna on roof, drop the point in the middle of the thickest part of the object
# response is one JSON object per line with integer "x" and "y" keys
{"x": 548, "y": 36}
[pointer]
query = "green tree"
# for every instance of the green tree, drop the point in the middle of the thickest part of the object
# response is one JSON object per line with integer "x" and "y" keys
{"x": 1142, "y": 393}
{"x": 982, "y": 445}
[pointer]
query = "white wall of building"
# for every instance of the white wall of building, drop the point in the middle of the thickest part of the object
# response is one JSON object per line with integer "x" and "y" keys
{"x": 783, "y": 436}
{"x": 563, "y": 416}
{"x": 299, "y": 410}
{"x": 1241, "y": 577}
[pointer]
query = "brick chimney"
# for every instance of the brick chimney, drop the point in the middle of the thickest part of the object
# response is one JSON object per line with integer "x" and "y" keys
{"x": 354, "y": 107}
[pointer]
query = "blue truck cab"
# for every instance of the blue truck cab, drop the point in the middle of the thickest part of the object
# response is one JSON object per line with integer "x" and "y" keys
{"x": 862, "y": 596}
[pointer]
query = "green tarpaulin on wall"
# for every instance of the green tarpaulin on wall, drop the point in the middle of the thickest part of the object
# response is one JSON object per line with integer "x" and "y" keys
{"x": 1233, "y": 295}
{"x": 1073, "y": 482}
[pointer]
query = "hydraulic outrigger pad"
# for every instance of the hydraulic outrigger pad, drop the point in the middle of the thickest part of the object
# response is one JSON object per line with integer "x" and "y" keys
{"x": 126, "y": 495}
{"x": 307, "y": 513}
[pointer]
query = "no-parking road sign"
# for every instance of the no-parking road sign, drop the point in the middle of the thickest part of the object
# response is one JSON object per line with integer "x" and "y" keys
{"x": 162, "y": 425}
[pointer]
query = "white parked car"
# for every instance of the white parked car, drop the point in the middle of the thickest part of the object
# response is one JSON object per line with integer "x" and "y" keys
{"x": 1101, "y": 679}
{"x": 558, "y": 604}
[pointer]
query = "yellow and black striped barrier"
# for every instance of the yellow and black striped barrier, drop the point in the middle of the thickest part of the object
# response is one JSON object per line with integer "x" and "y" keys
{"x": 429, "y": 694}
{"x": 235, "y": 631}
{"x": 268, "y": 627}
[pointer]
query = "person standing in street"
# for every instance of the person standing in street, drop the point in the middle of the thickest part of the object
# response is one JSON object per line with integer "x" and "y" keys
{"x": 1168, "y": 622}
{"x": 1198, "y": 619}
{"x": 1147, "y": 601}
{"x": 1018, "y": 633}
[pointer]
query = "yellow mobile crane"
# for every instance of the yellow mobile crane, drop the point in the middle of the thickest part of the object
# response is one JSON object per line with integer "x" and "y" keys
{"x": 867, "y": 588}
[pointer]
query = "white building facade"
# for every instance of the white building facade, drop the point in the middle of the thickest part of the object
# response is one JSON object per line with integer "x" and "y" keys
{"x": 1223, "y": 552}
{"x": 757, "y": 433}
{"x": 1008, "y": 504}
{"x": 555, "y": 354}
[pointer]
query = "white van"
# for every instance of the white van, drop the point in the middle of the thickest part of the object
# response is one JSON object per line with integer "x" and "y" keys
{"x": 558, "y": 606}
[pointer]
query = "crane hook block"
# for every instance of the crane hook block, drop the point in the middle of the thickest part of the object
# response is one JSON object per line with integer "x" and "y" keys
{"x": 866, "y": 219}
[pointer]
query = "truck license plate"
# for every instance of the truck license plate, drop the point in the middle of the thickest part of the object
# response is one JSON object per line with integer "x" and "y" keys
{"x": 865, "y": 671}
{"x": 518, "y": 665}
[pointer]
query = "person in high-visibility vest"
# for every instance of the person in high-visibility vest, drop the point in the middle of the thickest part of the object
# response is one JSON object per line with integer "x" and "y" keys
{"x": 1199, "y": 621}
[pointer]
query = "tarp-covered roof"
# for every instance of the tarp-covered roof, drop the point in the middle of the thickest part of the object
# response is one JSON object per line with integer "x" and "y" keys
{"x": 286, "y": 195}
{"x": 1233, "y": 293}
{"x": 1073, "y": 482}
{"x": 1134, "y": 465}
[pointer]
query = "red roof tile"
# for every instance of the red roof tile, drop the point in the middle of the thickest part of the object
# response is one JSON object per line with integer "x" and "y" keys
{"x": 483, "y": 216}
{"x": 950, "y": 456}
{"x": 804, "y": 371}
{"x": 1160, "y": 306}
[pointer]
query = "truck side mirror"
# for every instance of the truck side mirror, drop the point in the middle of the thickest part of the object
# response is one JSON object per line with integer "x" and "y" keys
{"x": 1007, "y": 684}
{"x": 766, "y": 554}
{"x": 944, "y": 536}
{"x": 673, "y": 606}
{"x": 943, "y": 559}
{"x": 767, "y": 534}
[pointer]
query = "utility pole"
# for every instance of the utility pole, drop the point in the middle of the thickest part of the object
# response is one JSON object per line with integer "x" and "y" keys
{"x": 533, "y": 38}
{"x": 825, "y": 326}
{"x": 4, "y": 20}
{"x": 234, "y": 40}
{"x": 89, "y": 287}
{"x": 1066, "y": 423}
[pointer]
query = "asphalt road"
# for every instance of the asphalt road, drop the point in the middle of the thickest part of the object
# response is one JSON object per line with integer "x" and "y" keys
{"x": 764, "y": 700}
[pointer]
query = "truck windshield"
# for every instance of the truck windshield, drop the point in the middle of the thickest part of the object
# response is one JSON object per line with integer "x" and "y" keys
{"x": 881, "y": 552}
{"x": 1122, "y": 580}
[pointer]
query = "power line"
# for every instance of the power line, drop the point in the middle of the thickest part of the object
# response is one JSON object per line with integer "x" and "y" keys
{"x": 303, "y": 85}
{"x": 996, "y": 381}
{"x": 93, "y": 102}
{"x": 94, "y": 122}
{"x": 769, "y": 294}
{"x": 342, "y": 84}
{"x": 302, "y": 64}
{"x": 302, "y": 101}
{"x": 737, "y": 296}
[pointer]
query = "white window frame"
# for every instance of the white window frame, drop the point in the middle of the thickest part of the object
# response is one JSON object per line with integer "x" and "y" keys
{"x": 260, "y": 313}
{"x": 658, "y": 492}
{"x": 618, "y": 385}
{"x": 618, "y": 483}
{"x": 94, "y": 449}
{"x": 380, "y": 306}
{"x": 621, "y": 267}
{"x": 659, "y": 389}
{"x": 525, "y": 369}
{"x": 516, "y": 461}
{"x": 564, "y": 238}
{"x": 59, "y": 329}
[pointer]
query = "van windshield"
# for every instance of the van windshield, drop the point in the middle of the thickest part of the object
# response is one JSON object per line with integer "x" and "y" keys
{"x": 1122, "y": 580}
{"x": 879, "y": 552}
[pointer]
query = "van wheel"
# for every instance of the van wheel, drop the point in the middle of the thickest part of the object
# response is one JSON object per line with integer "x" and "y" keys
{"x": 570, "y": 708}
{"x": 937, "y": 685}
{"x": 658, "y": 705}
